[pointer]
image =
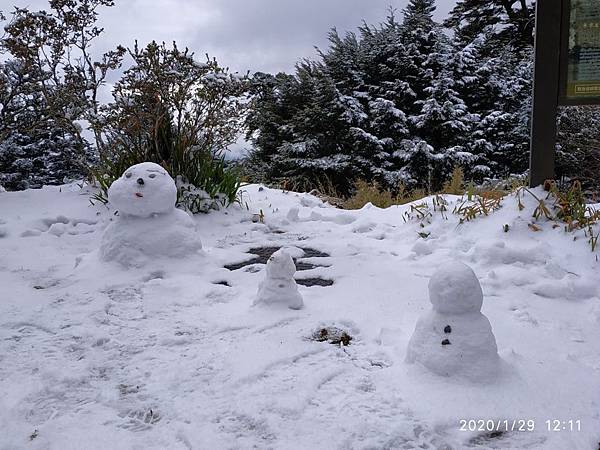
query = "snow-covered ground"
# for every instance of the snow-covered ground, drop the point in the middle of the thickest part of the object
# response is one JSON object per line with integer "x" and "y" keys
{"x": 94, "y": 356}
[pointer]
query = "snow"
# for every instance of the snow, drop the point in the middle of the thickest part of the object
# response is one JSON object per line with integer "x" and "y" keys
{"x": 172, "y": 354}
{"x": 143, "y": 190}
{"x": 455, "y": 289}
{"x": 460, "y": 346}
{"x": 279, "y": 286}
{"x": 455, "y": 339}
{"x": 148, "y": 227}
{"x": 137, "y": 241}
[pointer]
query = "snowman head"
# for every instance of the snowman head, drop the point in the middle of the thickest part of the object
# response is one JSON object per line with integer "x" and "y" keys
{"x": 455, "y": 289}
{"x": 143, "y": 190}
{"x": 281, "y": 265}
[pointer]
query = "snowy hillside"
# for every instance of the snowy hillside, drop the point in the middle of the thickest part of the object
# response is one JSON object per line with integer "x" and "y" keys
{"x": 173, "y": 355}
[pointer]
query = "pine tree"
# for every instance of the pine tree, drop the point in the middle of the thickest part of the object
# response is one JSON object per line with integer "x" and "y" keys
{"x": 34, "y": 148}
{"x": 48, "y": 85}
{"x": 446, "y": 125}
{"x": 509, "y": 22}
{"x": 493, "y": 76}
{"x": 507, "y": 125}
{"x": 578, "y": 149}
{"x": 346, "y": 122}
{"x": 422, "y": 58}
{"x": 401, "y": 102}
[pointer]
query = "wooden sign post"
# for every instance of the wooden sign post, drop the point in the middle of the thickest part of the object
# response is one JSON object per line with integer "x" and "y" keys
{"x": 566, "y": 73}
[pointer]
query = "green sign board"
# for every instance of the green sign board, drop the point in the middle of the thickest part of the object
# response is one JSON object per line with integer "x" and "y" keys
{"x": 582, "y": 83}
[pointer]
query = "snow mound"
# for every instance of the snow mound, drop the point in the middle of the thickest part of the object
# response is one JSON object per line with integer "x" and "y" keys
{"x": 455, "y": 338}
{"x": 421, "y": 248}
{"x": 143, "y": 190}
{"x": 136, "y": 241}
{"x": 279, "y": 286}
{"x": 149, "y": 226}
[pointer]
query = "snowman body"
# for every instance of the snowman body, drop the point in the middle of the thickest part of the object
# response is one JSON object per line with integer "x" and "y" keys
{"x": 148, "y": 227}
{"x": 279, "y": 287}
{"x": 455, "y": 338}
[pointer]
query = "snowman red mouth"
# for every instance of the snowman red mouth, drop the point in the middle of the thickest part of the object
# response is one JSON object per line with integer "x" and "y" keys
{"x": 139, "y": 194}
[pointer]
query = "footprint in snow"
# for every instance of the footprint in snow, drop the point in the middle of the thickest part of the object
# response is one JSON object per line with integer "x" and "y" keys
{"x": 125, "y": 304}
{"x": 140, "y": 419}
{"x": 60, "y": 225}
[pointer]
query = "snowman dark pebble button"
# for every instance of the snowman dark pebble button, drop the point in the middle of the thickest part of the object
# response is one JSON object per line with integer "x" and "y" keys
{"x": 445, "y": 342}
{"x": 448, "y": 329}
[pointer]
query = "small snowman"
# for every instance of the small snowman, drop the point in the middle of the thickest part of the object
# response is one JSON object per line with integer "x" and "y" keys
{"x": 455, "y": 338}
{"x": 148, "y": 226}
{"x": 279, "y": 286}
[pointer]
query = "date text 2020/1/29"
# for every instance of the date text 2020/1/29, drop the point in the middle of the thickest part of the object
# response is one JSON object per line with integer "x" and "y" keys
{"x": 496, "y": 425}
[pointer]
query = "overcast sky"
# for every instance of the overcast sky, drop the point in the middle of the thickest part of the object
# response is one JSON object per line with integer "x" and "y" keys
{"x": 255, "y": 35}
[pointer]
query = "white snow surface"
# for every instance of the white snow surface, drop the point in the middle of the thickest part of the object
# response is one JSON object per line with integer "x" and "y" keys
{"x": 279, "y": 287}
{"x": 96, "y": 356}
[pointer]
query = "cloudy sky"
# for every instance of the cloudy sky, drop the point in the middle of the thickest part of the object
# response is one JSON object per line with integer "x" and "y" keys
{"x": 265, "y": 35}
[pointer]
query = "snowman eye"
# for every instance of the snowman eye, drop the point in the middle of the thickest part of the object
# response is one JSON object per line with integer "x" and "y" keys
{"x": 152, "y": 175}
{"x": 128, "y": 175}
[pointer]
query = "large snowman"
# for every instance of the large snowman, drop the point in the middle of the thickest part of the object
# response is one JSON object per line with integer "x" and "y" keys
{"x": 455, "y": 338}
{"x": 279, "y": 287}
{"x": 148, "y": 225}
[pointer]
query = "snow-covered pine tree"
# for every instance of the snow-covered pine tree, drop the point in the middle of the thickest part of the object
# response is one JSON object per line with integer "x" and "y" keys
{"x": 401, "y": 102}
{"x": 267, "y": 121}
{"x": 379, "y": 122}
{"x": 578, "y": 152}
{"x": 422, "y": 58}
{"x": 49, "y": 85}
{"x": 345, "y": 124}
{"x": 446, "y": 125}
{"x": 493, "y": 75}
{"x": 321, "y": 146}
{"x": 34, "y": 149}
{"x": 295, "y": 127}
{"x": 505, "y": 126}
{"x": 509, "y": 22}
{"x": 439, "y": 119}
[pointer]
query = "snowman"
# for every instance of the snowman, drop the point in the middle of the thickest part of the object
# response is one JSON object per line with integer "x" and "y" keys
{"x": 148, "y": 226}
{"x": 279, "y": 286}
{"x": 455, "y": 338}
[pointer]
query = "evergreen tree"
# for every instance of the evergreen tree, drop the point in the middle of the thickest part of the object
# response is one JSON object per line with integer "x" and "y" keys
{"x": 506, "y": 126}
{"x": 402, "y": 102}
{"x": 273, "y": 105}
{"x": 34, "y": 148}
{"x": 578, "y": 149}
{"x": 423, "y": 55}
{"x": 446, "y": 125}
{"x": 49, "y": 84}
{"x": 509, "y": 23}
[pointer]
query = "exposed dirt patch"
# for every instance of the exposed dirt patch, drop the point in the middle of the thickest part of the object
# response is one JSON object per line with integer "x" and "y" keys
{"x": 333, "y": 335}
{"x": 487, "y": 437}
{"x": 314, "y": 282}
{"x": 262, "y": 255}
